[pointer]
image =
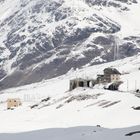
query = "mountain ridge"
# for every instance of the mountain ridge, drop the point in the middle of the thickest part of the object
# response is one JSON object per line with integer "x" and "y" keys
{"x": 45, "y": 39}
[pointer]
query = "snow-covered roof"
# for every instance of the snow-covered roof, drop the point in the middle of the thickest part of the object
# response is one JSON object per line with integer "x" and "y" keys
{"x": 111, "y": 71}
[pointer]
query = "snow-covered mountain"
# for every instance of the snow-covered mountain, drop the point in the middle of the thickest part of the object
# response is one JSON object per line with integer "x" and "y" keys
{"x": 41, "y": 39}
{"x": 82, "y": 114}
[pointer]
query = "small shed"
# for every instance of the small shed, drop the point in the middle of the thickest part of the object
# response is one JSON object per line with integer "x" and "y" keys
{"x": 13, "y": 103}
{"x": 80, "y": 82}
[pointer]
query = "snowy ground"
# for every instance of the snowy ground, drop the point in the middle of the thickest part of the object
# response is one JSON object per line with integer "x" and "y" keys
{"x": 77, "y": 133}
{"x": 65, "y": 109}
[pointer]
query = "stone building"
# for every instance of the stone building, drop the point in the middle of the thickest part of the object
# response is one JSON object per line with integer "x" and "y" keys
{"x": 79, "y": 82}
{"x": 110, "y": 75}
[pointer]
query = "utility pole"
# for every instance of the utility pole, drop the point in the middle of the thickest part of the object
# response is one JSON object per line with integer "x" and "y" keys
{"x": 116, "y": 48}
{"x": 135, "y": 85}
{"x": 127, "y": 85}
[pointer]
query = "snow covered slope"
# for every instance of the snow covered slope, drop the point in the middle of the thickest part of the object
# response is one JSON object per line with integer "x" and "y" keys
{"x": 42, "y": 39}
{"x": 80, "y": 107}
{"x": 77, "y": 133}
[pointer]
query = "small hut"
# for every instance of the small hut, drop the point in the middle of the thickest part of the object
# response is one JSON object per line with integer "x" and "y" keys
{"x": 13, "y": 103}
{"x": 79, "y": 82}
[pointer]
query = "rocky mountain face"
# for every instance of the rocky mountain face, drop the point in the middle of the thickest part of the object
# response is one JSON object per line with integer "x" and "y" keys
{"x": 42, "y": 39}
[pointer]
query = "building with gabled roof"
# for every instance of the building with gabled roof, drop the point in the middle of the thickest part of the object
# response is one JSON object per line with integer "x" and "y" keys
{"x": 110, "y": 75}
